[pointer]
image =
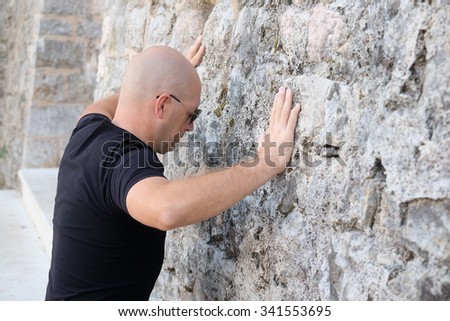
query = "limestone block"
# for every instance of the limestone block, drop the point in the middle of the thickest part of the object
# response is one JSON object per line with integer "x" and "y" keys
{"x": 80, "y": 88}
{"x": 55, "y": 27}
{"x": 113, "y": 52}
{"x": 19, "y": 24}
{"x": 41, "y": 152}
{"x": 191, "y": 4}
{"x": 90, "y": 29}
{"x": 2, "y": 73}
{"x": 66, "y": 7}
{"x": 326, "y": 31}
{"x": 415, "y": 283}
{"x": 48, "y": 87}
{"x": 98, "y": 8}
{"x": 53, "y": 121}
{"x": 59, "y": 54}
{"x": 159, "y": 27}
{"x": 293, "y": 32}
{"x": 135, "y": 27}
{"x": 188, "y": 26}
{"x": 3, "y": 50}
{"x": 427, "y": 216}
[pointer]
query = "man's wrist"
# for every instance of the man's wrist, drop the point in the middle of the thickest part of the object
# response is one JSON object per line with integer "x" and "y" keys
{"x": 260, "y": 168}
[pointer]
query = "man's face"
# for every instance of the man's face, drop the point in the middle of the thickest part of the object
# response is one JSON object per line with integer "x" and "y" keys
{"x": 183, "y": 115}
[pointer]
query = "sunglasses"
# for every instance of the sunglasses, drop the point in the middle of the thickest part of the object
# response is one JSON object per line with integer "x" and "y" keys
{"x": 193, "y": 115}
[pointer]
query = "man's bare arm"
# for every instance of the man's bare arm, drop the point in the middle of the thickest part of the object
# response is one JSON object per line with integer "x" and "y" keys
{"x": 166, "y": 205}
{"x": 106, "y": 106}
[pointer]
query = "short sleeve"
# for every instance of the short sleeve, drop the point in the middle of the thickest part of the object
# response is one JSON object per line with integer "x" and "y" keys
{"x": 89, "y": 119}
{"x": 137, "y": 164}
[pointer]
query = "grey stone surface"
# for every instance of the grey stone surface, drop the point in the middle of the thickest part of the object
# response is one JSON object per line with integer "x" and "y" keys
{"x": 47, "y": 129}
{"x": 55, "y": 27}
{"x": 80, "y": 87}
{"x": 41, "y": 152}
{"x": 362, "y": 214}
{"x": 66, "y": 7}
{"x": 90, "y": 29}
{"x": 4, "y": 13}
{"x": 19, "y": 27}
{"x": 48, "y": 58}
{"x": 59, "y": 54}
{"x": 47, "y": 121}
{"x": 48, "y": 87}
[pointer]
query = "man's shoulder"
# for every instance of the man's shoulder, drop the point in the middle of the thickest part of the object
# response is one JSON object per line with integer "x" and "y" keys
{"x": 90, "y": 123}
{"x": 91, "y": 118}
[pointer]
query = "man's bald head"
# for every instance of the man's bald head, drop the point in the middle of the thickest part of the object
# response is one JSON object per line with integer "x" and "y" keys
{"x": 155, "y": 70}
{"x": 162, "y": 72}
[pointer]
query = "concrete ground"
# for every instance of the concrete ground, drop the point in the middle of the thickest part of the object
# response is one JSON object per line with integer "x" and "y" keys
{"x": 24, "y": 262}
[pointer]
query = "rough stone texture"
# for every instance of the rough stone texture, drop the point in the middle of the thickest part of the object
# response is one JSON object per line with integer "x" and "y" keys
{"x": 363, "y": 213}
{"x": 59, "y": 54}
{"x": 19, "y": 29}
{"x": 55, "y": 27}
{"x": 48, "y": 55}
{"x": 4, "y": 16}
{"x": 130, "y": 26}
{"x": 66, "y": 67}
{"x": 65, "y": 7}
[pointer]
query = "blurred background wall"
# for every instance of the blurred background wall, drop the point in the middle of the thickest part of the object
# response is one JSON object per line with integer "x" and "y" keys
{"x": 48, "y": 67}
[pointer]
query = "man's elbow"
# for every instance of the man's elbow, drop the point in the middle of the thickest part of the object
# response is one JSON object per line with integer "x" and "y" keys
{"x": 167, "y": 219}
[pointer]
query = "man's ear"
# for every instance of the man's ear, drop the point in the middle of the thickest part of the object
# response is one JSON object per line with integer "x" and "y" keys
{"x": 160, "y": 106}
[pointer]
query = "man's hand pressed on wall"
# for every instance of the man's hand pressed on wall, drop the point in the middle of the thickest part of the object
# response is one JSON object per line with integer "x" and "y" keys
{"x": 276, "y": 144}
{"x": 196, "y": 52}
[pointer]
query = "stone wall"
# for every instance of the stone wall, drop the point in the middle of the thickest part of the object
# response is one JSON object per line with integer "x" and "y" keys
{"x": 363, "y": 213}
{"x": 51, "y": 66}
{"x": 4, "y": 15}
{"x": 66, "y": 68}
{"x": 19, "y": 25}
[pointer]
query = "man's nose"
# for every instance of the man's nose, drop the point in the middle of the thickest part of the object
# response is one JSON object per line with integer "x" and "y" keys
{"x": 189, "y": 126}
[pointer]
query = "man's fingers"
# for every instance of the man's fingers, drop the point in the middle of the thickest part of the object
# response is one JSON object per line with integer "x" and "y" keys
{"x": 277, "y": 106}
{"x": 293, "y": 118}
{"x": 282, "y": 124}
{"x": 196, "y": 52}
{"x": 197, "y": 59}
{"x": 194, "y": 48}
{"x": 286, "y": 107}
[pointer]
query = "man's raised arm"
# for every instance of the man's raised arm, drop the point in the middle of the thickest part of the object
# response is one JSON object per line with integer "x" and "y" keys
{"x": 166, "y": 205}
{"x": 106, "y": 106}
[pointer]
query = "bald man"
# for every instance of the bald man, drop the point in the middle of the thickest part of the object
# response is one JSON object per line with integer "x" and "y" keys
{"x": 114, "y": 205}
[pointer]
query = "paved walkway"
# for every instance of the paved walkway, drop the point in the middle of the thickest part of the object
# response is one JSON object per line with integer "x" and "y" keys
{"x": 23, "y": 260}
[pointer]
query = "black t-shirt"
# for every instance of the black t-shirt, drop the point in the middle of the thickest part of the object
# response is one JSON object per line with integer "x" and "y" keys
{"x": 99, "y": 251}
